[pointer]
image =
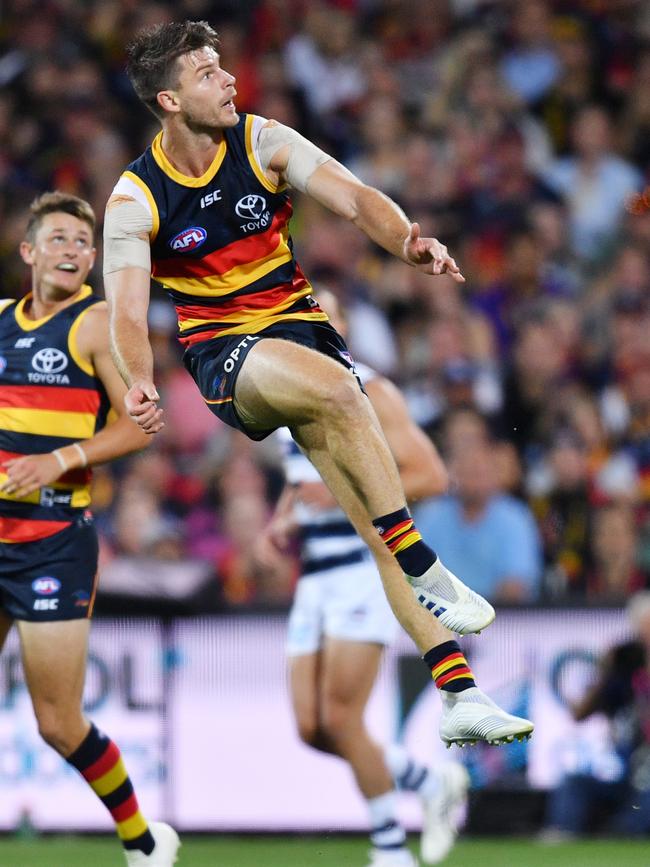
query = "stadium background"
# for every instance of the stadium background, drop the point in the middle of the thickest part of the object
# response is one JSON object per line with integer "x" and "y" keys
{"x": 519, "y": 133}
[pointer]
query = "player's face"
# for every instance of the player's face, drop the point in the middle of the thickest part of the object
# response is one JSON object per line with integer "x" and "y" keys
{"x": 62, "y": 254}
{"x": 205, "y": 91}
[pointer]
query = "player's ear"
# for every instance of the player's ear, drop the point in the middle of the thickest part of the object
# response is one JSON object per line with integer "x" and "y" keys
{"x": 27, "y": 252}
{"x": 168, "y": 100}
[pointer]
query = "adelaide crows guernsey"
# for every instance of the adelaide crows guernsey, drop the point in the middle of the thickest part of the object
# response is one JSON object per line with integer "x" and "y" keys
{"x": 50, "y": 397}
{"x": 220, "y": 243}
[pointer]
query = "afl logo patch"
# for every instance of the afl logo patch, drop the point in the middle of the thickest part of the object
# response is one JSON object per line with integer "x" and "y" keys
{"x": 188, "y": 239}
{"x": 46, "y": 586}
{"x": 50, "y": 360}
{"x": 3, "y": 364}
{"x": 250, "y": 207}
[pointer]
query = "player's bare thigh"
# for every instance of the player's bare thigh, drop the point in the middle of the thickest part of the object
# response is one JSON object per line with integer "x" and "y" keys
{"x": 349, "y": 671}
{"x": 285, "y": 383}
{"x": 54, "y": 661}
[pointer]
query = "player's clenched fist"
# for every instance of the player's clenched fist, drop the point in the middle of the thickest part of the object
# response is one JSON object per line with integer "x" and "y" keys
{"x": 141, "y": 402}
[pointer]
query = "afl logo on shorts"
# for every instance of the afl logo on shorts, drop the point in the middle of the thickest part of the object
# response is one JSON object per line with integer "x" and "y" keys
{"x": 188, "y": 239}
{"x": 50, "y": 360}
{"x": 250, "y": 207}
{"x": 46, "y": 586}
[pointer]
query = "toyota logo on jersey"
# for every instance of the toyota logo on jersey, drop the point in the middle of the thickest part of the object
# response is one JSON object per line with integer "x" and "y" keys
{"x": 50, "y": 360}
{"x": 250, "y": 207}
{"x": 188, "y": 239}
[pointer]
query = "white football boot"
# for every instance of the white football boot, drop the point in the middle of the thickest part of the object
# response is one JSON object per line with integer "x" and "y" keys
{"x": 388, "y": 858}
{"x": 452, "y": 602}
{"x": 165, "y": 852}
{"x": 470, "y": 716}
{"x": 444, "y": 812}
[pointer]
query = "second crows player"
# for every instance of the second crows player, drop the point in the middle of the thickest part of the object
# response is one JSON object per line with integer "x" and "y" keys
{"x": 57, "y": 387}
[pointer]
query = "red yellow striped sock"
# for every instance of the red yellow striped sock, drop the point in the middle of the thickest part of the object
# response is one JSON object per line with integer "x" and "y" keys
{"x": 449, "y": 667}
{"x": 100, "y": 763}
{"x": 404, "y": 541}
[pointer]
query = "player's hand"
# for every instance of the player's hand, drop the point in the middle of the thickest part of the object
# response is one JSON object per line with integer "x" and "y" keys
{"x": 430, "y": 255}
{"x": 27, "y": 474}
{"x": 141, "y": 402}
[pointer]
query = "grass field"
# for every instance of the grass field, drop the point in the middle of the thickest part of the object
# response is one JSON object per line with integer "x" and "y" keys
{"x": 321, "y": 852}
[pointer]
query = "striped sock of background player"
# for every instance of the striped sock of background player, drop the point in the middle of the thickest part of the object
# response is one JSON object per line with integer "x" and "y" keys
{"x": 449, "y": 667}
{"x": 404, "y": 541}
{"x": 409, "y": 774}
{"x": 386, "y": 831}
{"x": 100, "y": 763}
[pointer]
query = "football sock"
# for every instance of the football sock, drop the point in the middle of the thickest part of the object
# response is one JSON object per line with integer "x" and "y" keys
{"x": 409, "y": 774}
{"x": 403, "y": 540}
{"x": 449, "y": 667}
{"x": 386, "y": 831}
{"x": 100, "y": 763}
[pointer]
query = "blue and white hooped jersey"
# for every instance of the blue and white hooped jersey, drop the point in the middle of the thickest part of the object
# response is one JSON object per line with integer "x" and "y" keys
{"x": 327, "y": 538}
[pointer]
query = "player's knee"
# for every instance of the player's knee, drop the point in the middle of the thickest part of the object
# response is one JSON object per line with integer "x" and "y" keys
{"x": 308, "y": 731}
{"x": 57, "y": 730}
{"x": 338, "y": 718}
{"x": 343, "y": 399}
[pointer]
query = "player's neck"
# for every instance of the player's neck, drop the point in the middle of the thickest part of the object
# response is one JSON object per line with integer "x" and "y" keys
{"x": 45, "y": 302}
{"x": 190, "y": 152}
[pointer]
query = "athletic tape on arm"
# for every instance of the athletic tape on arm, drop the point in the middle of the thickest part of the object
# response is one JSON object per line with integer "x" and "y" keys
{"x": 304, "y": 156}
{"x": 125, "y": 224}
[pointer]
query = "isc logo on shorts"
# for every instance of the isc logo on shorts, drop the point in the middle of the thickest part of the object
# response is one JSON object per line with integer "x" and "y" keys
{"x": 46, "y": 604}
{"x": 46, "y": 585}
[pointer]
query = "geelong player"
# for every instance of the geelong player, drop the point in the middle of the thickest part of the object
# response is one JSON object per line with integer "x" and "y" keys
{"x": 205, "y": 210}
{"x": 340, "y": 622}
{"x": 57, "y": 387}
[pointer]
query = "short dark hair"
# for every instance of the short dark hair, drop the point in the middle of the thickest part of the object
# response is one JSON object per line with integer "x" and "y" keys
{"x": 152, "y": 56}
{"x": 54, "y": 203}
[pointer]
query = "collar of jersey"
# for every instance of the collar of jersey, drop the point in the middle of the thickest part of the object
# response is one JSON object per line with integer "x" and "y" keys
{"x": 30, "y": 324}
{"x": 186, "y": 180}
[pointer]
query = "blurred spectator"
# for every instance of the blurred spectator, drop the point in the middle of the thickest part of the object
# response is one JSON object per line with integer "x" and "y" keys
{"x": 619, "y": 779}
{"x": 487, "y": 537}
{"x": 596, "y": 184}
{"x": 531, "y": 66}
{"x": 563, "y": 513}
{"x": 531, "y": 387}
{"x": 616, "y": 571}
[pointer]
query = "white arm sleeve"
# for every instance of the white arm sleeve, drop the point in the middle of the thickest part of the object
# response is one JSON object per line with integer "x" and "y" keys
{"x": 304, "y": 156}
{"x": 125, "y": 224}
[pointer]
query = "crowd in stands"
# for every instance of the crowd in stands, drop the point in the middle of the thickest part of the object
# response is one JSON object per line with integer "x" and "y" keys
{"x": 516, "y": 132}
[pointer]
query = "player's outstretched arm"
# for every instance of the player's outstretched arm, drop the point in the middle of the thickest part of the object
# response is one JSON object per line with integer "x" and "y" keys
{"x": 421, "y": 469}
{"x": 127, "y": 277}
{"x": 291, "y": 157}
{"x": 121, "y": 436}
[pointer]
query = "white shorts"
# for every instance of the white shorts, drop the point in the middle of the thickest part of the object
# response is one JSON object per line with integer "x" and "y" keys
{"x": 346, "y": 603}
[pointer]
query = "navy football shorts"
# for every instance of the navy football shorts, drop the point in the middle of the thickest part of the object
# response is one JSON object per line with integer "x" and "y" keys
{"x": 215, "y": 364}
{"x": 53, "y": 578}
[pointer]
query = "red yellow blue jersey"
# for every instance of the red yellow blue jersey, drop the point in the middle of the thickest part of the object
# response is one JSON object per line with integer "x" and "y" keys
{"x": 50, "y": 397}
{"x": 220, "y": 243}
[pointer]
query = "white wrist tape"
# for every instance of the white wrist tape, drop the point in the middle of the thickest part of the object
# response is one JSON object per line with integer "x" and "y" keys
{"x": 304, "y": 156}
{"x": 82, "y": 454}
{"x": 62, "y": 462}
{"x": 126, "y": 236}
